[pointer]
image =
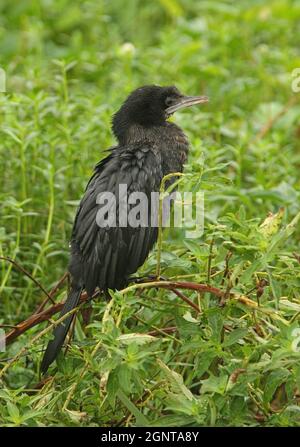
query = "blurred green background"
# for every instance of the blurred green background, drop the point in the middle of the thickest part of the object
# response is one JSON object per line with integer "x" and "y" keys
{"x": 69, "y": 66}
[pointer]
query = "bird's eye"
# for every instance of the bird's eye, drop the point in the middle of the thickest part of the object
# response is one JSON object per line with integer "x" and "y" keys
{"x": 169, "y": 101}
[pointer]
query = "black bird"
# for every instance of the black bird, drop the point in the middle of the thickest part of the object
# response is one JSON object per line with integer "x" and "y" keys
{"x": 149, "y": 147}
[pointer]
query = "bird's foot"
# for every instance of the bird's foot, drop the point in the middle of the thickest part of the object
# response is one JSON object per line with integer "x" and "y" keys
{"x": 148, "y": 278}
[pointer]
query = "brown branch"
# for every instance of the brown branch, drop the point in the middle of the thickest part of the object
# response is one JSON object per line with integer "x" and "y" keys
{"x": 176, "y": 285}
{"x": 36, "y": 282}
{"x": 40, "y": 317}
{"x": 46, "y": 314}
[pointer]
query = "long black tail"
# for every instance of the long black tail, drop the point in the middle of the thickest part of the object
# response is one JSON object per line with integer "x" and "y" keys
{"x": 61, "y": 330}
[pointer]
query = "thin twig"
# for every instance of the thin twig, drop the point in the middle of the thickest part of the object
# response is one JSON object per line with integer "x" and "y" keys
{"x": 36, "y": 282}
{"x": 226, "y": 270}
{"x": 186, "y": 299}
{"x": 210, "y": 259}
{"x": 163, "y": 331}
{"x": 156, "y": 331}
{"x": 52, "y": 292}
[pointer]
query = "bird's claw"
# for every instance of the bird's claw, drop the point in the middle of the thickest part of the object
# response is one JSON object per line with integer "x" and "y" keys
{"x": 149, "y": 278}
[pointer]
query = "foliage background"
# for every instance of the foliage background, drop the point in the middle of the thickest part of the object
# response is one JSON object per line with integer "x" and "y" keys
{"x": 69, "y": 65}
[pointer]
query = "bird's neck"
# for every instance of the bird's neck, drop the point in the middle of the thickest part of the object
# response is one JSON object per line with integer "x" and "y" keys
{"x": 168, "y": 140}
{"x": 165, "y": 132}
{"x": 174, "y": 149}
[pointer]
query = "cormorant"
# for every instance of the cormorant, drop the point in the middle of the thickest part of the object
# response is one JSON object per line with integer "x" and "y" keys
{"x": 149, "y": 147}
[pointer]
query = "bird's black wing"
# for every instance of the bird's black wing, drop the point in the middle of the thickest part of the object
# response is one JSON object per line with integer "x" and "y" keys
{"x": 106, "y": 256}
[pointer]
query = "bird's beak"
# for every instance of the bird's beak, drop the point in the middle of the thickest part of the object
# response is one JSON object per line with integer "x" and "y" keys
{"x": 186, "y": 101}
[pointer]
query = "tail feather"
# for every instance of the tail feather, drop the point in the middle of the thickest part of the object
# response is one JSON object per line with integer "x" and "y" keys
{"x": 61, "y": 330}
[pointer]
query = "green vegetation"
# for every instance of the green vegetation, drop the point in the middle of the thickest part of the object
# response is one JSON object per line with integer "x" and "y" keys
{"x": 69, "y": 65}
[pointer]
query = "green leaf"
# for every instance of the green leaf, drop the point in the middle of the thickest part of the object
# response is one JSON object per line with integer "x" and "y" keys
{"x": 234, "y": 336}
{"x": 141, "y": 420}
{"x": 112, "y": 386}
{"x": 139, "y": 339}
{"x": 215, "y": 321}
{"x": 124, "y": 377}
{"x": 214, "y": 384}
{"x": 274, "y": 380}
{"x": 14, "y": 412}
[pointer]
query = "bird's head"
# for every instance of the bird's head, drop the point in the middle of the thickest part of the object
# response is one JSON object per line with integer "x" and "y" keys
{"x": 151, "y": 105}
